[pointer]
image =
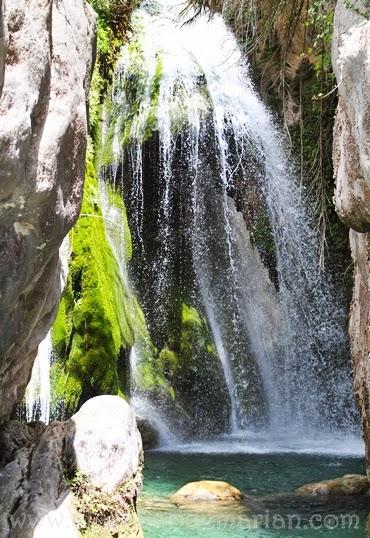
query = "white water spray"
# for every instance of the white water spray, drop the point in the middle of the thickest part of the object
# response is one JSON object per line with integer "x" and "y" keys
{"x": 38, "y": 389}
{"x": 214, "y": 131}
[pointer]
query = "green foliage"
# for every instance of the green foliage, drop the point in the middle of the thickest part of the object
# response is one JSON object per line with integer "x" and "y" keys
{"x": 102, "y": 514}
{"x": 320, "y": 22}
{"x": 115, "y": 14}
{"x": 112, "y": 26}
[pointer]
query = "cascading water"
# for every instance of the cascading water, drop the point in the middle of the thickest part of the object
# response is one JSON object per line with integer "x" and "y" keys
{"x": 117, "y": 233}
{"x": 38, "y": 389}
{"x": 282, "y": 347}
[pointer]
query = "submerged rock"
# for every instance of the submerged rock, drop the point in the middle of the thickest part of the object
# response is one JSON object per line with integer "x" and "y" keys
{"x": 207, "y": 491}
{"x": 99, "y": 449}
{"x": 350, "y": 484}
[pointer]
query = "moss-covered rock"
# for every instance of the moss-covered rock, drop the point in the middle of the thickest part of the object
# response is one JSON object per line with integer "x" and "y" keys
{"x": 190, "y": 363}
{"x": 95, "y": 319}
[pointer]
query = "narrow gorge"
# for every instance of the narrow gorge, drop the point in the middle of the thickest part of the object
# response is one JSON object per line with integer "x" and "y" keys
{"x": 185, "y": 268}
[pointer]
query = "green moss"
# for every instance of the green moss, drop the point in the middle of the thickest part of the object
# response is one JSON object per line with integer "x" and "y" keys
{"x": 66, "y": 390}
{"x": 139, "y": 115}
{"x": 151, "y": 371}
{"x": 189, "y": 361}
{"x": 94, "y": 322}
{"x": 191, "y": 340}
{"x": 100, "y": 514}
{"x": 262, "y": 238}
{"x": 195, "y": 335}
{"x": 132, "y": 114}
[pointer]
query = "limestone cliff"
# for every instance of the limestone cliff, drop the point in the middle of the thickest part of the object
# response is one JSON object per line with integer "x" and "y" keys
{"x": 351, "y": 61}
{"x": 46, "y": 54}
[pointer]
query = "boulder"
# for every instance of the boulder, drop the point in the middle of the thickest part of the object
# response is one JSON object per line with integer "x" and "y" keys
{"x": 99, "y": 449}
{"x": 350, "y": 484}
{"x": 206, "y": 491}
{"x": 351, "y": 149}
{"x": 104, "y": 443}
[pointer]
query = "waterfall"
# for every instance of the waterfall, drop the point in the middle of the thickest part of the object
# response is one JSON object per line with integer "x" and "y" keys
{"x": 206, "y": 135}
{"x": 140, "y": 401}
{"x": 144, "y": 408}
{"x": 38, "y": 389}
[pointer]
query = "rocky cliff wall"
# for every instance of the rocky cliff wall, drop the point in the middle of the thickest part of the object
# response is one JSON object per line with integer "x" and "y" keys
{"x": 351, "y": 62}
{"x": 46, "y": 56}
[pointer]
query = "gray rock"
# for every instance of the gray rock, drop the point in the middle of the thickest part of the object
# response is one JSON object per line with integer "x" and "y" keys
{"x": 105, "y": 443}
{"x": 101, "y": 441}
{"x": 351, "y": 62}
{"x": 351, "y": 57}
{"x": 3, "y": 44}
{"x": 43, "y": 134}
{"x": 359, "y": 324}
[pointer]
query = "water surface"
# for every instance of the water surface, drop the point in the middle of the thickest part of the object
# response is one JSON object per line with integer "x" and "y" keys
{"x": 268, "y": 478}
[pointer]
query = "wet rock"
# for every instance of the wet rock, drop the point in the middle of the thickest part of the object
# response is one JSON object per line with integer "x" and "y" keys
{"x": 148, "y": 433}
{"x": 350, "y": 484}
{"x": 207, "y": 491}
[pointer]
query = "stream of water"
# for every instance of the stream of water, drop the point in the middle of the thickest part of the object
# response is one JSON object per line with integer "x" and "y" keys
{"x": 38, "y": 389}
{"x": 281, "y": 345}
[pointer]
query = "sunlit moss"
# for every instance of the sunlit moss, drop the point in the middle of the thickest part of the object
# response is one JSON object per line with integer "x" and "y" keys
{"x": 94, "y": 321}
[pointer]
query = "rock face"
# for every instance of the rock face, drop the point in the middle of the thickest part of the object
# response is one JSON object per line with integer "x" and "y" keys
{"x": 350, "y": 484}
{"x": 101, "y": 442}
{"x": 351, "y": 62}
{"x": 352, "y": 127}
{"x": 206, "y": 491}
{"x": 46, "y": 54}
